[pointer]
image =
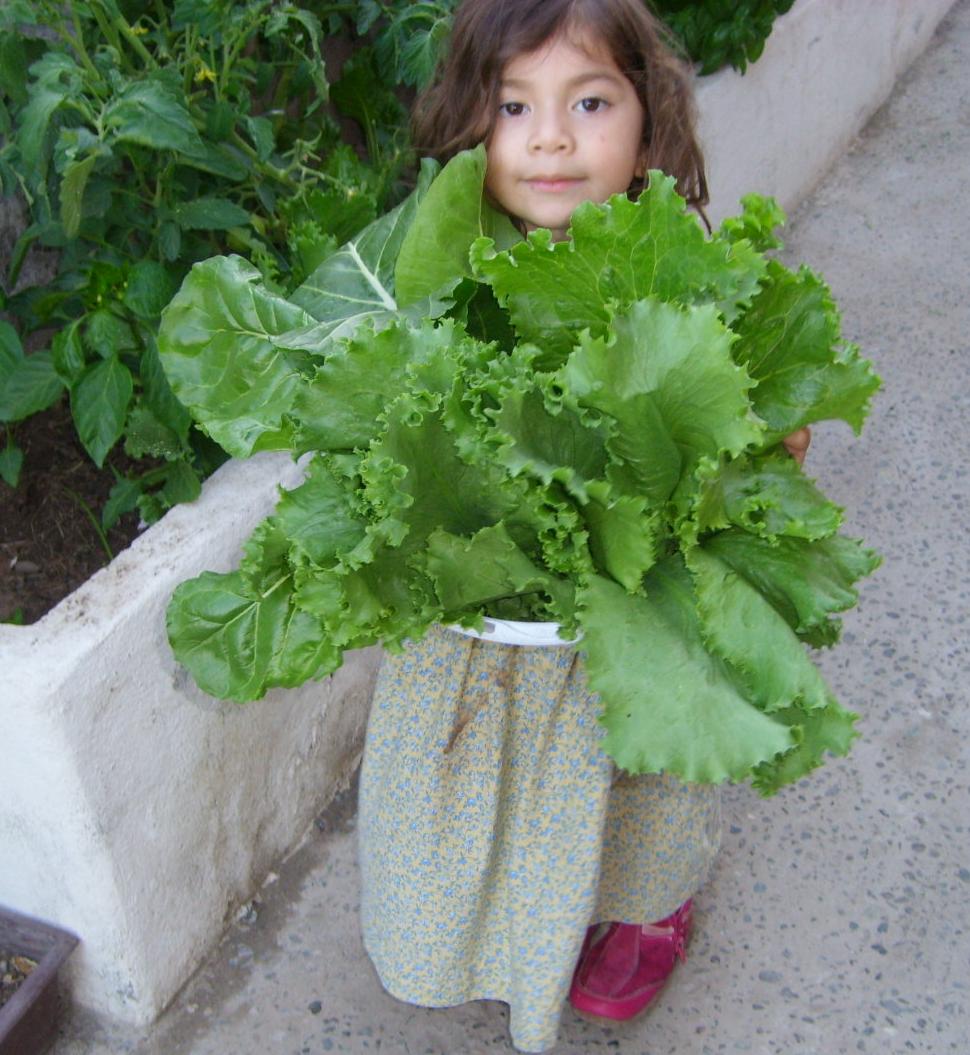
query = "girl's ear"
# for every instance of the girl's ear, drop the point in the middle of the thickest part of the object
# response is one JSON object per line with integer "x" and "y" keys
{"x": 640, "y": 171}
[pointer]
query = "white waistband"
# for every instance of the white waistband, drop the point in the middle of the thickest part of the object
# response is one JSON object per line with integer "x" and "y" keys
{"x": 513, "y": 632}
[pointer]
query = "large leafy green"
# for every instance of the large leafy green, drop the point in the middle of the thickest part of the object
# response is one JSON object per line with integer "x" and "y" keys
{"x": 584, "y": 432}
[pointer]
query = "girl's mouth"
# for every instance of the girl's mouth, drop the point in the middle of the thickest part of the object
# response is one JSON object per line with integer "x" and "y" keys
{"x": 552, "y": 184}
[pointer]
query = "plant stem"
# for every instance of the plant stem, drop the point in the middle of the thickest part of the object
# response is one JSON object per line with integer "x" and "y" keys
{"x": 135, "y": 42}
{"x": 76, "y": 44}
{"x": 86, "y": 510}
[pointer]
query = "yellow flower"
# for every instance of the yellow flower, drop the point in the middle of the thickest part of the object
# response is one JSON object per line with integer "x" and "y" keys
{"x": 205, "y": 73}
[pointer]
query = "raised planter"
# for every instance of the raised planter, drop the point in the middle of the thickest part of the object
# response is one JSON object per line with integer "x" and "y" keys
{"x": 29, "y": 1018}
{"x": 160, "y": 810}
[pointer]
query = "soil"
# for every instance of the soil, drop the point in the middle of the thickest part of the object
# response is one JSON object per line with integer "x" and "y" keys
{"x": 48, "y": 545}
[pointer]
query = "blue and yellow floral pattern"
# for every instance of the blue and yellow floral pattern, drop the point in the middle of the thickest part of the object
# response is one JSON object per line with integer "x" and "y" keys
{"x": 494, "y": 830}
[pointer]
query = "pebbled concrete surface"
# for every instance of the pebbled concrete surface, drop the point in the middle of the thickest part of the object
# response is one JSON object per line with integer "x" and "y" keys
{"x": 837, "y": 920}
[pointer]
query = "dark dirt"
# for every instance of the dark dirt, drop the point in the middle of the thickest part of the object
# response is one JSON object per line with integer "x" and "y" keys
{"x": 48, "y": 545}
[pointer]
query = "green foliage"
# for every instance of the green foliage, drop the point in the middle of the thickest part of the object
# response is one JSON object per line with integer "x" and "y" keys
{"x": 144, "y": 139}
{"x": 611, "y": 463}
{"x": 716, "y": 33}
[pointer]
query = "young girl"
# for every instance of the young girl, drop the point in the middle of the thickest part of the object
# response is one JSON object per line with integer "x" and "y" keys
{"x": 502, "y": 856}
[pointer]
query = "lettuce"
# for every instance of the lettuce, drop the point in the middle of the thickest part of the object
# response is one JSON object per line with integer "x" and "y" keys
{"x": 585, "y": 432}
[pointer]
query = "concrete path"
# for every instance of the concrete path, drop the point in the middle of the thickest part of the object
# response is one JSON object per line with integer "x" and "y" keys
{"x": 837, "y": 919}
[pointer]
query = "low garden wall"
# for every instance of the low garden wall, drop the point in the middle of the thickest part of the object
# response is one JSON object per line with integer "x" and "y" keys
{"x": 140, "y": 813}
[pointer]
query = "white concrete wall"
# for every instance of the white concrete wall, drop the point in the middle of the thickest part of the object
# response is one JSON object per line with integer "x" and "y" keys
{"x": 139, "y": 812}
{"x": 826, "y": 68}
{"x": 136, "y": 810}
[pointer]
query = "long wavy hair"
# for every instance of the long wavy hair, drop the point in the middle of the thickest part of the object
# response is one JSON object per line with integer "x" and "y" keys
{"x": 459, "y": 109}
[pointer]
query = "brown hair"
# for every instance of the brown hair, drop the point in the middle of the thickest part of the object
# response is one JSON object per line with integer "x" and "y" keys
{"x": 458, "y": 111}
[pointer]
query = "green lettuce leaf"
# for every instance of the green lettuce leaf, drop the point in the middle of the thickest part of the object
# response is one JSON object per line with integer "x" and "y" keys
{"x": 585, "y": 433}
{"x": 340, "y": 405}
{"x": 682, "y": 711}
{"x": 452, "y": 215}
{"x": 356, "y": 283}
{"x": 805, "y": 581}
{"x": 767, "y": 496}
{"x": 619, "y": 252}
{"x": 220, "y": 346}
{"x": 788, "y": 341}
{"x": 680, "y": 361}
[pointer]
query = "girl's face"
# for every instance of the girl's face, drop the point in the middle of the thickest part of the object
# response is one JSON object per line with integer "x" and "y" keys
{"x": 569, "y": 130}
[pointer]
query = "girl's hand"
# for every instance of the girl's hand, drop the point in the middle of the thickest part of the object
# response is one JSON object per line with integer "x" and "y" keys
{"x": 797, "y": 444}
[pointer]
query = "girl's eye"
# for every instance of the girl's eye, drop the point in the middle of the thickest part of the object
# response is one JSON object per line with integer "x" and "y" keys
{"x": 512, "y": 109}
{"x": 592, "y": 104}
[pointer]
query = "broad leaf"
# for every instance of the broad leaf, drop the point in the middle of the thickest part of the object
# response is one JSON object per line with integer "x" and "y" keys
{"x": 219, "y": 343}
{"x": 357, "y": 282}
{"x": 99, "y": 405}
{"x": 28, "y": 386}
{"x": 152, "y": 113}
{"x": 452, "y": 215}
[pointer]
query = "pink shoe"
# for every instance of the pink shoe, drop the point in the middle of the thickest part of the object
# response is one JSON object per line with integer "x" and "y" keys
{"x": 623, "y": 968}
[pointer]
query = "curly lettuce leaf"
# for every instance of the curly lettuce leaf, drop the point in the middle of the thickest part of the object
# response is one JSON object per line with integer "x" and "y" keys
{"x": 548, "y": 442}
{"x": 805, "y": 581}
{"x": 826, "y": 730}
{"x": 339, "y": 406}
{"x": 489, "y": 567}
{"x": 743, "y": 628}
{"x": 618, "y": 253}
{"x": 418, "y": 482}
{"x": 625, "y": 534}
{"x": 321, "y": 516}
{"x": 680, "y": 360}
{"x": 241, "y": 633}
{"x": 768, "y": 496}
{"x": 669, "y": 704}
{"x": 789, "y": 342}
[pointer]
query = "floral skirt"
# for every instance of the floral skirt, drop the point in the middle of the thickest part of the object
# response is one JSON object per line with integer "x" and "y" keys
{"x": 493, "y": 829}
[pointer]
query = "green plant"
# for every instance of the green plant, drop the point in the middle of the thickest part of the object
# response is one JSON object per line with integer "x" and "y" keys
{"x": 587, "y": 432}
{"x": 144, "y": 138}
{"x": 716, "y": 33}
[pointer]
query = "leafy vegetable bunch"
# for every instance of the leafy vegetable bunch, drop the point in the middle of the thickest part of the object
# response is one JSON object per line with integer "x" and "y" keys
{"x": 143, "y": 138}
{"x": 585, "y": 432}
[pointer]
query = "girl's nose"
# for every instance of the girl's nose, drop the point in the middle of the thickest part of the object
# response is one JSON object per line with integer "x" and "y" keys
{"x": 550, "y": 135}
